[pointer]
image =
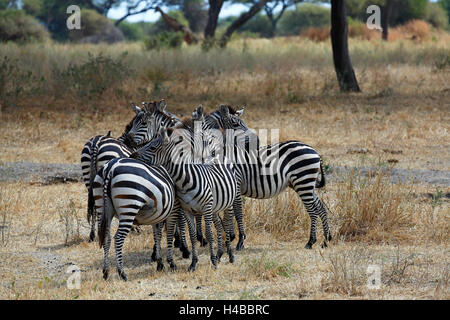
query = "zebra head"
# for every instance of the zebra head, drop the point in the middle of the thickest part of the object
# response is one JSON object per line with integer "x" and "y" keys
{"x": 139, "y": 130}
{"x": 230, "y": 118}
{"x": 160, "y": 149}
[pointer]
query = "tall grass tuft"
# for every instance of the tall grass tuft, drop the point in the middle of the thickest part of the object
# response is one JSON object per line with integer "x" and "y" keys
{"x": 370, "y": 208}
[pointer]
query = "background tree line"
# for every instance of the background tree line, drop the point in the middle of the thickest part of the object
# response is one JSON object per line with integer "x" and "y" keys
{"x": 42, "y": 19}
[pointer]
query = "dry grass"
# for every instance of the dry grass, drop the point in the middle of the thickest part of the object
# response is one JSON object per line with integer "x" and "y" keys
{"x": 273, "y": 265}
{"x": 401, "y": 119}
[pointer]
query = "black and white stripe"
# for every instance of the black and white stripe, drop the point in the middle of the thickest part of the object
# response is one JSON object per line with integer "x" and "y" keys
{"x": 268, "y": 171}
{"x": 135, "y": 193}
{"x": 203, "y": 189}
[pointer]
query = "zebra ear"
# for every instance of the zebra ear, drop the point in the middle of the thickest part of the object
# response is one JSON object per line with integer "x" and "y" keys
{"x": 224, "y": 111}
{"x": 162, "y": 105}
{"x": 240, "y": 112}
{"x": 109, "y": 133}
{"x": 135, "y": 108}
{"x": 198, "y": 113}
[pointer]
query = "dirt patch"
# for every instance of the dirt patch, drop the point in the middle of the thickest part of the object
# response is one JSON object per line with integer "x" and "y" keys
{"x": 50, "y": 173}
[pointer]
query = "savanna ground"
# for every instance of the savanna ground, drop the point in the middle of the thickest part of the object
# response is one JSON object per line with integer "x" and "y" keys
{"x": 55, "y": 97}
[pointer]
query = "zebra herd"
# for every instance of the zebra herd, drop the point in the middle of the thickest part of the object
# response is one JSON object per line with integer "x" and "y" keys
{"x": 167, "y": 171}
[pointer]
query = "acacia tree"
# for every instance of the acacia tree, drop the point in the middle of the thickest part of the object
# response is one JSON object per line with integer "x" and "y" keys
{"x": 213, "y": 16}
{"x": 339, "y": 40}
{"x": 239, "y": 22}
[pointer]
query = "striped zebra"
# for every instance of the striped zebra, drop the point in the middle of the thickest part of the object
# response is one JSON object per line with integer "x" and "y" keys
{"x": 134, "y": 192}
{"x": 269, "y": 170}
{"x": 101, "y": 149}
{"x": 203, "y": 189}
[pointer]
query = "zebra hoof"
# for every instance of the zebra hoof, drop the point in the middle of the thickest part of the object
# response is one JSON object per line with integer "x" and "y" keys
{"x": 160, "y": 266}
{"x": 105, "y": 274}
{"x": 203, "y": 241}
{"x": 231, "y": 258}
{"x": 123, "y": 275}
{"x": 329, "y": 237}
{"x": 324, "y": 245}
{"x": 240, "y": 246}
{"x": 173, "y": 266}
{"x": 219, "y": 255}
{"x": 92, "y": 237}
{"x": 193, "y": 265}
{"x": 153, "y": 258}
{"x": 186, "y": 253}
{"x": 308, "y": 246}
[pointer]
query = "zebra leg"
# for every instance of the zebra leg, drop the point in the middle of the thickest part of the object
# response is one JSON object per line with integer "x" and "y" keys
{"x": 228, "y": 221}
{"x": 237, "y": 208}
{"x": 193, "y": 236}
{"x": 177, "y": 237}
{"x": 219, "y": 229}
{"x": 310, "y": 207}
{"x": 93, "y": 218}
{"x": 125, "y": 223}
{"x": 209, "y": 234}
{"x": 323, "y": 214}
{"x": 156, "y": 255}
{"x": 181, "y": 226}
{"x": 198, "y": 223}
{"x": 171, "y": 222}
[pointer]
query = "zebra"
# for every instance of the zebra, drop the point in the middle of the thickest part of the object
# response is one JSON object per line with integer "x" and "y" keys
{"x": 134, "y": 192}
{"x": 292, "y": 163}
{"x": 101, "y": 149}
{"x": 202, "y": 188}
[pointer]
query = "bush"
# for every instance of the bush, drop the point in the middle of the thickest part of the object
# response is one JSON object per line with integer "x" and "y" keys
{"x": 91, "y": 79}
{"x": 436, "y": 16}
{"x": 131, "y": 31}
{"x": 305, "y": 16}
{"x": 95, "y": 28}
{"x": 316, "y": 34}
{"x": 164, "y": 40}
{"x": 15, "y": 25}
{"x": 259, "y": 25}
{"x": 415, "y": 29}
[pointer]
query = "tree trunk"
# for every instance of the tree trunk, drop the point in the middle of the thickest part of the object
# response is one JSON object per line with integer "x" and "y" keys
{"x": 339, "y": 40}
{"x": 385, "y": 19}
{"x": 239, "y": 22}
{"x": 213, "y": 15}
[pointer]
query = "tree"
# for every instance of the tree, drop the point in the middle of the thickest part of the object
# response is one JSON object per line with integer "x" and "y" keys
{"x": 273, "y": 9}
{"x": 195, "y": 13}
{"x": 306, "y": 15}
{"x": 213, "y": 15}
{"x": 339, "y": 41}
{"x": 274, "y": 17}
{"x": 243, "y": 18}
{"x": 386, "y": 15}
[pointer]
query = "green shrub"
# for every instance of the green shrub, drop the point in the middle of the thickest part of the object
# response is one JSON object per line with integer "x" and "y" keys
{"x": 95, "y": 28}
{"x": 305, "y": 16}
{"x": 131, "y": 31}
{"x": 92, "y": 78}
{"x": 15, "y": 82}
{"x": 164, "y": 40}
{"x": 15, "y": 25}
{"x": 436, "y": 16}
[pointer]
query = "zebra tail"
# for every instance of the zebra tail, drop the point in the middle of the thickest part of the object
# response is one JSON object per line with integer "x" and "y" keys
{"x": 93, "y": 173}
{"x": 104, "y": 222}
{"x": 321, "y": 182}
